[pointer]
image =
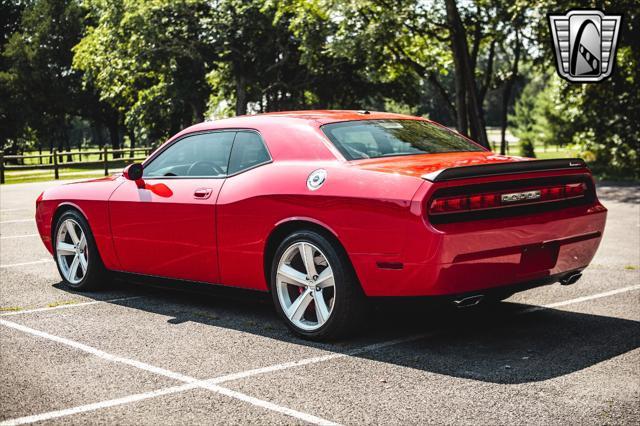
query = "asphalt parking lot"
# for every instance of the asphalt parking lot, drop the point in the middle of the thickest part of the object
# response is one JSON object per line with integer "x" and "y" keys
{"x": 138, "y": 354}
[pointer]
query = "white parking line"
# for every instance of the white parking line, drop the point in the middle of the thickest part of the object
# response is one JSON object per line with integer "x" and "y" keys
{"x": 13, "y": 210}
{"x": 96, "y": 406}
{"x": 17, "y": 221}
{"x": 272, "y": 368}
{"x": 70, "y": 305}
{"x": 581, "y": 299}
{"x": 315, "y": 360}
{"x": 35, "y": 262}
{"x": 166, "y": 373}
{"x": 19, "y": 236}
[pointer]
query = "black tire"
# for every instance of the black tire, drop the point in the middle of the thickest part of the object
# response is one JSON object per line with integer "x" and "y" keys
{"x": 96, "y": 276}
{"x": 349, "y": 301}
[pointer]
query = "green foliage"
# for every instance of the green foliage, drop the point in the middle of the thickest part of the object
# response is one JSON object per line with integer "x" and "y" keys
{"x": 602, "y": 119}
{"x": 38, "y": 86}
{"x": 148, "y": 60}
{"x": 609, "y": 119}
{"x": 148, "y": 68}
{"x": 541, "y": 115}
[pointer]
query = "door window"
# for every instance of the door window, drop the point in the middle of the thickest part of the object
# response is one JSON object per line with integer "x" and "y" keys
{"x": 248, "y": 152}
{"x": 202, "y": 155}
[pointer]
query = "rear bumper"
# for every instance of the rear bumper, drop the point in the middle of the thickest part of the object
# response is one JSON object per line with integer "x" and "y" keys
{"x": 471, "y": 257}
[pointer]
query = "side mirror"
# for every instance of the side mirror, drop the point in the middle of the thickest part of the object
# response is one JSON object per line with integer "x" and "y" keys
{"x": 133, "y": 171}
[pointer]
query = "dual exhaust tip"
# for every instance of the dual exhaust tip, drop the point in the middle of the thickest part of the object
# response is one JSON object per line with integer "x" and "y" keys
{"x": 467, "y": 302}
{"x": 570, "y": 279}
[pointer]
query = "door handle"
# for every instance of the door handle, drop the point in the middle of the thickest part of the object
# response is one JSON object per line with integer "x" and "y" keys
{"x": 202, "y": 193}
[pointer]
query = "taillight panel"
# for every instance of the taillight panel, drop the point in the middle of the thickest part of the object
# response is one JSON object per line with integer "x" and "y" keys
{"x": 472, "y": 199}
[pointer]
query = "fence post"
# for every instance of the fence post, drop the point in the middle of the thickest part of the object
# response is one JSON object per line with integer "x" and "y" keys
{"x": 56, "y": 173}
{"x": 106, "y": 163}
{"x": 1, "y": 166}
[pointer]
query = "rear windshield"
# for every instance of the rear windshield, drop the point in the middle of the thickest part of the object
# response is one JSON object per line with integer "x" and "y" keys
{"x": 361, "y": 139}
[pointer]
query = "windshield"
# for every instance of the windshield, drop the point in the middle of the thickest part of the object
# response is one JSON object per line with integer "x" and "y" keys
{"x": 362, "y": 139}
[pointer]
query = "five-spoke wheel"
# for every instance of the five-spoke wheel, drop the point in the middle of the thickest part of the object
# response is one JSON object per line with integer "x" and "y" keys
{"x": 76, "y": 255}
{"x": 314, "y": 287}
{"x": 71, "y": 251}
{"x": 305, "y": 286}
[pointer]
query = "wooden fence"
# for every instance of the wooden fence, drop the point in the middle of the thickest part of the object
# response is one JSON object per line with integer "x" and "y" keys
{"x": 56, "y": 160}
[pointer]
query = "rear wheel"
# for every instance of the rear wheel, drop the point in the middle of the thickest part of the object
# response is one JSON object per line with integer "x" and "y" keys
{"x": 76, "y": 254}
{"x": 314, "y": 288}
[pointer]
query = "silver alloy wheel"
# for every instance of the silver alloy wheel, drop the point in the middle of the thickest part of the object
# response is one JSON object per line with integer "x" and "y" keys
{"x": 71, "y": 251}
{"x": 305, "y": 286}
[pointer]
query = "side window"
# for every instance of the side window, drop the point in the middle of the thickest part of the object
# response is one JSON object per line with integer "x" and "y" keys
{"x": 205, "y": 154}
{"x": 248, "y": 151}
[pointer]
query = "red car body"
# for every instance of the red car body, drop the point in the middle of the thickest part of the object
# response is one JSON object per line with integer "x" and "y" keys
{"x": 378, "y": 209}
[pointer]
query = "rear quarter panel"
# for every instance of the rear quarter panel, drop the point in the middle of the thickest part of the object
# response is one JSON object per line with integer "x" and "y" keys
{"x": 367, "y": 211}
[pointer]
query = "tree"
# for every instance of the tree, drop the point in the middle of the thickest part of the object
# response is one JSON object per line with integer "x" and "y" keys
{"x": 257, "y": 60}
{"x": 603, "y": 118}
{"x": 467, "y": 99}
{"x": 12, "y": 119}
{"x": 37, "y": 79}
{"x": 148, "y": 60}
{"x": 414, "y": 43}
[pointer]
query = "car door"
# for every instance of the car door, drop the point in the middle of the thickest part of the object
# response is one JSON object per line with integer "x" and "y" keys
{"x": 165, "y": 224}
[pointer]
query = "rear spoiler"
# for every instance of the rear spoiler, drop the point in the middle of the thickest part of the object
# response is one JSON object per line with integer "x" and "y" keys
{"x": 464, "y": 172}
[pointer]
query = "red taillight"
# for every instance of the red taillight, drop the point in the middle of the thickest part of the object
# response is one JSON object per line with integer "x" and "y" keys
{"x": 575, "y": 189}
{"x": 551, "y": 193}
{"x": 506, "y": 198}
{"x": 450, "y": 204}
{"x": 484, "y": 201}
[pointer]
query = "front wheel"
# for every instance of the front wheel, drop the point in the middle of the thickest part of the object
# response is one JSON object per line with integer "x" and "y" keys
{"x": 76, "y": 253}
{"x": 314, "y": 288}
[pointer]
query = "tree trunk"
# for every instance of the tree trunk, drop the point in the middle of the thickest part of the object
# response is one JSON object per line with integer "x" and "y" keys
{"x": 465, "y": 77}
{"x": 68, "y": 148}
{"x": 506, "y": 96}
{"x": 241, "y": 96}
{"x": 114, "y": 137}
{"x": 461, "y": 98}
{"x": 132, "y": 138}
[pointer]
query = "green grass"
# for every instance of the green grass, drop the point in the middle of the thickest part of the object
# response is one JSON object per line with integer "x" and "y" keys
{"x": 26, "y": 176}
{"x": 78, "y": 171}
{"x": 493, "y": 134}
{"x": 76, "y": 156}
{"x": 62, "y": 303}
{"x": 553, "y": 152}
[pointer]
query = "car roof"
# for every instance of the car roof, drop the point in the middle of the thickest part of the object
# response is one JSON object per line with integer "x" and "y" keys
{"x": 314, "y": 117}
{"x": 293, "y": 135}
{"x": 330, "y": 116}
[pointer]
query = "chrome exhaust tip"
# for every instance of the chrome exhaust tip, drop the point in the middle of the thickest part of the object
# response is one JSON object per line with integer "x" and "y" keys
{"x": 468, "y": 301}
{"x": 570, "y": 279}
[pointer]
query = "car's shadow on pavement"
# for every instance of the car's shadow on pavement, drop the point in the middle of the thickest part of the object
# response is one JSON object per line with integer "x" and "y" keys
{"x": 496, "y": 343}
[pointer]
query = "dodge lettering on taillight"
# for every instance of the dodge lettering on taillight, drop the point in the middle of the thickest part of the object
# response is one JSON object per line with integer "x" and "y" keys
{"x": 520, "y": 196}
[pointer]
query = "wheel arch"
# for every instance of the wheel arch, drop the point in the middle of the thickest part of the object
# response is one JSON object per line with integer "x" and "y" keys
{"x": 287, "y": 227}
{"x": 61, "y": 209}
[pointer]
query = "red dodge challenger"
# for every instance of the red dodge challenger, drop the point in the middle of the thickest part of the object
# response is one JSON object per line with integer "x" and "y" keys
{"x": 326, "y": 208}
